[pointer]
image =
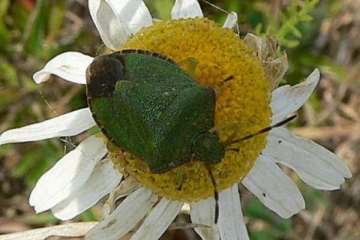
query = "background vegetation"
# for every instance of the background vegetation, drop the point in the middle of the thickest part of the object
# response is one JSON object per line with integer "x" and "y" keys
{"x": 322, "y": 34}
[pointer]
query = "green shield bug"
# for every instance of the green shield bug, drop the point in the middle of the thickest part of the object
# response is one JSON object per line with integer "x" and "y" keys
{"x": 145, "y": 104}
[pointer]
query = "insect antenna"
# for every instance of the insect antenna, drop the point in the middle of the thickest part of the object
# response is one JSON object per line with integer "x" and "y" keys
{"x": 68, "y": 144}
{"x": 223, "y": 11}
{"x": 261, "y": 131}
{"x": 216, "y": 194}
{"x": 216, "y": 7}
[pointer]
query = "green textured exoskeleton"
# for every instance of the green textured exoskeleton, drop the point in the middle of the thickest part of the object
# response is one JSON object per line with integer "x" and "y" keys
{"x": 145, "y": 104}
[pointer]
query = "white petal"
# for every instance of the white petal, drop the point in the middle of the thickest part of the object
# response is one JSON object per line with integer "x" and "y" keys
{"x": 69, "y": 124}
{"x": 186, "y": 208}
{"x": 117, "y": 20}
{"x": 231, "y": 220}
{"x": 158, "y": 221}
{"x": 288, "y": 99}
{"x": 231, "y": 20}
{"x": 274, "y": 188}
{"x": 63, "y": 231}
{"x": 71, "y": 66}
{"x": 127, "y": 186}
{"x": 317, "y": 166}
{"x": 186, "y": 9}
{"x": 125, "y": 217}
{"x": 101, "y": 182}
{"x": 68, "y": 175}
{"x": 203, "y": 212}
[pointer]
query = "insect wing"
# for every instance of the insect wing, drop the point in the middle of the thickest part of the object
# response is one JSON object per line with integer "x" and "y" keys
{"x": 154, "y": 109}
{"x": 190, "y": 114}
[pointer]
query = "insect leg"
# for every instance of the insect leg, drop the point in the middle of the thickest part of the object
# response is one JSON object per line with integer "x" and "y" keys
{"x": 218, "y": 88}
{"x": 226, "y": 80}
{"x": 216, "y": 194}
{"x": 233, "y": 149}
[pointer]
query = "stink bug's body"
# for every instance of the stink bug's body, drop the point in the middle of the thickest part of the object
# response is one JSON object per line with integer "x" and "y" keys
{"x": 145, "y": 104}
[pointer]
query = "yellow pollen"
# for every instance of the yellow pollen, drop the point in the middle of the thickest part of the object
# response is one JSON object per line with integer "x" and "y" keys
{"x": 242, "y": 105}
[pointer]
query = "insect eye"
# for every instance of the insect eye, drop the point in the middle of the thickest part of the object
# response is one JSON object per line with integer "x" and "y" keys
{"x": 102, "y": 75}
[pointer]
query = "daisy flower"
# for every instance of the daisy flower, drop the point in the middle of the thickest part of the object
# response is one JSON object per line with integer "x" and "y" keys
{"x": 250, "y": 101}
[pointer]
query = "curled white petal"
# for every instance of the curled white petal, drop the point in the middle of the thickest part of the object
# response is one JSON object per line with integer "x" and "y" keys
{"x": 266, "y": 50}
{"x": 315, "y": 165}
{"x": 259, "y": 45}
{"x": 158, "y": 220}
{"x": 71, "y": 66}
{"x": 101, "y": 182}
{"x": 203, "y": 212}
{"x": 69, "y": 124}
{"x": 276, "y": 69}
{"x": 68, "y": 175}
{"x": 186, "y": 9}
{"x": 117, "y": 20}
{"x": 274, "y": 188}
{"x": 231, "y": 220}
{"x": 288, "y": 99}
{"x": 231, "y": 20}
{"x": 125, "y": 216}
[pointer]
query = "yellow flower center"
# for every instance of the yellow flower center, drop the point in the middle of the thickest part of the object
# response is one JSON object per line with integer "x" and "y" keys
{"x": 242, "y": 105}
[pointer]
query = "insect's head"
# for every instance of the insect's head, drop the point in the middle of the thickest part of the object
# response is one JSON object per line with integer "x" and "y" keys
{"x": 102, "y": 75}
{"x": 208, "y": 148}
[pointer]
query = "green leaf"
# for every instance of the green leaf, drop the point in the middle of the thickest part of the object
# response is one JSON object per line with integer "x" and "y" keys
{"x": 290, "y": 43}
{"x": 314, "y": 198}
{"x": 4, "y": 6}
{"x": 307, "y": 18}
{"x": 39, "y": 219}
{"x": 20, "y": 15}
{"x": 36, "y": 161}
{"x": 289, "y": 32}
{"x": 4, "y": 38}
{"x": 8, "y": 76}
{"x": 257, "y": 210}
{"x": 9, "y": 96}
{"x": 266, "y": 234}
{"x": 56, "y": 20}
{"x": 161, "y": 7}
{"x": 88, "y": 216}
{"x": 296, "y": 32}
{"x": 34, "y": 34}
